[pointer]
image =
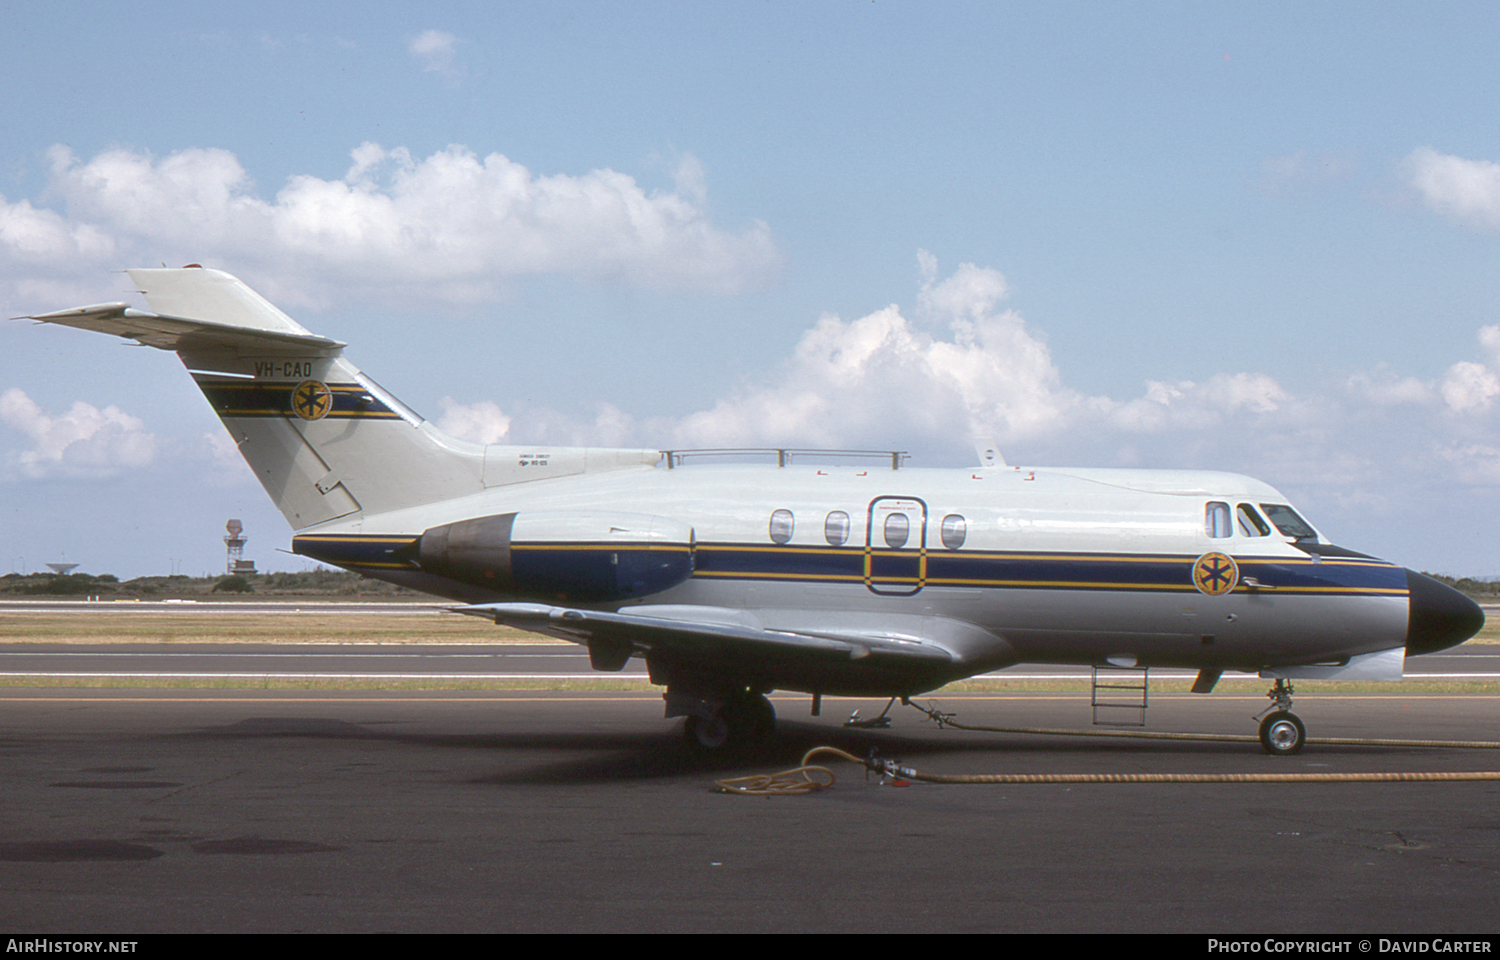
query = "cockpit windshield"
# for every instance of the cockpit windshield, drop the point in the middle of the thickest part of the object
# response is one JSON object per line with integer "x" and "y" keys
{"x": 1289, "y": 522}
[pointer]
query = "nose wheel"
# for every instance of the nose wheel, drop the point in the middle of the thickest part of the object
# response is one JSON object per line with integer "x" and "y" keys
{"x": 1282, "y": 734}
{"x": 1281, "y": 731}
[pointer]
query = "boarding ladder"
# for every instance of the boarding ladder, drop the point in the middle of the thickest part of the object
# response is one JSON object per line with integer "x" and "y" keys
{"x": 1120, "y": 696}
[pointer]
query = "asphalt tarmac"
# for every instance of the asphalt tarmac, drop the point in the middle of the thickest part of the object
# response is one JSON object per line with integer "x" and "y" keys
{"x": 500, "y": 659}
{"x": 145, "y": 811}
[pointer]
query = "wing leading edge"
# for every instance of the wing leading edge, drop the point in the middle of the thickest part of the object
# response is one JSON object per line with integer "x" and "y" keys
{"x": 700, "y": 631}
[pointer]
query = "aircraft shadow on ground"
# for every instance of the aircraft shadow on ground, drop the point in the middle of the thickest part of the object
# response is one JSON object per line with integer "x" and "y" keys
{"x": 593, "y": 756}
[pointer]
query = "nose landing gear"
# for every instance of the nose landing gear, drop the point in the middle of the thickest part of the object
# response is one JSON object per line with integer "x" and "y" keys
{"x": 1281, "y": 731}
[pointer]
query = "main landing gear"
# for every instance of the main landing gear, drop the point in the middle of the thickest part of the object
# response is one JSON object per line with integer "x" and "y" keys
{"x": 718, "y": 712}
{"x": 1281, "y": 731}
{"x": 745, "y": 718}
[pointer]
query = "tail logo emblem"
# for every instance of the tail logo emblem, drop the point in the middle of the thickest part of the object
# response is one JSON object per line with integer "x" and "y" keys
{"x": 311, "y": 400}
{"x": 1215, "y": 574}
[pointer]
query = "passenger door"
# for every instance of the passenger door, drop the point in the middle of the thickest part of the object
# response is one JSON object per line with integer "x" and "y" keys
{"x": 896, "y": 546}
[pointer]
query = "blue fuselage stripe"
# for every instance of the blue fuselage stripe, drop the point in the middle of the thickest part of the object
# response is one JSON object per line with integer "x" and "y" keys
{"x": 931, "y": 568}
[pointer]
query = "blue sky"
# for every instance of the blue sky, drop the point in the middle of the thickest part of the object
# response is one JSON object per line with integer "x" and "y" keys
{"x": 1256, "y": 238}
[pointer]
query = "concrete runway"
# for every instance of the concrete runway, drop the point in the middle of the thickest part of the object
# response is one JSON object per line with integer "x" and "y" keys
{"x": 160, "y": 811}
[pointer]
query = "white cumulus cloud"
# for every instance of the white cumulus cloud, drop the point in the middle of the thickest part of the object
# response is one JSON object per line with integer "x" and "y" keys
{"x": 1475, "y": 463}
{"x": 1188, "y": 405}
{"x": 482, "y": 422}
{"x": 29, "y": 235}
{"x": 84, "y": 442}
{"x": 436, "y": 51}
{"x": 1467, "y": 191}
{"x": 1383, "y": 387}
{"x": 964, "y": 368}
{"x": 451, "y": 227}
{"x": 1470, "y": 386}
{"x": 855, "y": 382}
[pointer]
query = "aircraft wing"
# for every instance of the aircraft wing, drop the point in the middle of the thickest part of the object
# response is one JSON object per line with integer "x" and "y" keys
{"x": 182, "y": 333}
{"x": 716, "y": 634}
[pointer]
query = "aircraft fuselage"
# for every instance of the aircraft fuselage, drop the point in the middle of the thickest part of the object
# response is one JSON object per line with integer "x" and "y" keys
{"x": 1064, "y": 566}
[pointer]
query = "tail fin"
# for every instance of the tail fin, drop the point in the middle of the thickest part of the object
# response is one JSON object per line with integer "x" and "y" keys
{"x": 305, "y": 419}
{"x": 323, "y": 439}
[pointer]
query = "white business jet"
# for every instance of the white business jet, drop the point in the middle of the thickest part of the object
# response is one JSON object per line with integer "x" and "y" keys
{"x": 843, "y": 573}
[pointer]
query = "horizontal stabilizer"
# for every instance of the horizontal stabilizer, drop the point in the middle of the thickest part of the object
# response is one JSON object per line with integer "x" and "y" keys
{"x": 184, "y": 334}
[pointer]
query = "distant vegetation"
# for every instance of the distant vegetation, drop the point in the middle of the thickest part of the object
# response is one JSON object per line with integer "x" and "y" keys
{"x": 236, "y": 583}
{"x": 59, "y": 584}
{"x": 314, "y": 583}
{"x": 1480, "y": 590}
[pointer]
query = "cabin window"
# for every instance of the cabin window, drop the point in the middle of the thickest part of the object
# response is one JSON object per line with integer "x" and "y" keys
{"x": 954, "y": 530}
{"x": 1251, "y": 524}
{"x": 897, "y": 528}
{"x": 836, "y": 528}
{"x": 1289, "y": 522}
{"x": 781, "y": 526}
{"x": 1216, "y": 520}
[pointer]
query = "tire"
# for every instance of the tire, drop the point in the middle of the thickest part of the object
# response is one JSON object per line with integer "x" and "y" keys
{"x": 710, "y": 734}
{"x": 1282, "y": 734}
{"x": 753, "y": 718}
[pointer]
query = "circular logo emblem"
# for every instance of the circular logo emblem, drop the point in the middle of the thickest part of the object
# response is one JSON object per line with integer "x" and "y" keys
{"x": 1215, "y": 574}
{"x": 311, "y": 400}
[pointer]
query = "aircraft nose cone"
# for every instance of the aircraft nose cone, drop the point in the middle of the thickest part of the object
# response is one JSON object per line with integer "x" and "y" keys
{"x": 1440, "y": 616}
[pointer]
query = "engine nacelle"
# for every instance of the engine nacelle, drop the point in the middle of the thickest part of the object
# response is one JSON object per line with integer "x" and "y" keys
{"x": 580, "y": 557}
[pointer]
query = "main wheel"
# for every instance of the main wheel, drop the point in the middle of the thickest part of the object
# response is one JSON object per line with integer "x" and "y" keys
{"x": 710, "y": 734}
{"x": 753, "y": 717}
{"x": 1282, "y": 734}
{"x": 742, "y": 721}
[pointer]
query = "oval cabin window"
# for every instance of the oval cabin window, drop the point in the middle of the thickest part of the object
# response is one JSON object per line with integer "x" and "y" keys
{"x": 955, "y": 529}
{"x": 896, "y": 530}
{"x": 836, "y": 528}
{"x": 781, "y": 526}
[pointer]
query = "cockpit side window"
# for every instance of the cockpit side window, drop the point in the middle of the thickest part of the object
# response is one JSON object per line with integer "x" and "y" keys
{"x": 1289, "y": 522}
{"x": 1216, "y": 519}
{"x": 1251, "y": 524}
